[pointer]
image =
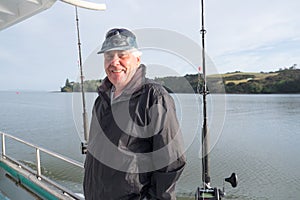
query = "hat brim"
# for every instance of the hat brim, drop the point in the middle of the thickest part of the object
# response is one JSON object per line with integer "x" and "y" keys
{"x": 115, "y": 49}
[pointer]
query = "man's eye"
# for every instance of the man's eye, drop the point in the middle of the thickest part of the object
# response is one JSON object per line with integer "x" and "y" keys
{"x": 123, "y": 55}
{"x": 108, "y": 56}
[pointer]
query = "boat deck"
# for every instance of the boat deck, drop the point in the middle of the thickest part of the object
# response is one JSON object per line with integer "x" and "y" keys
{"x": 2, "y": 197}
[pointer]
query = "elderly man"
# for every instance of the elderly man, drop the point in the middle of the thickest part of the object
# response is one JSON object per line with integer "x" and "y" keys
{"x": 135, "y": 147}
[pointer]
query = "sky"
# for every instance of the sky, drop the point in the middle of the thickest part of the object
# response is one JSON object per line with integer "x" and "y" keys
{"x": 41, "y": 52}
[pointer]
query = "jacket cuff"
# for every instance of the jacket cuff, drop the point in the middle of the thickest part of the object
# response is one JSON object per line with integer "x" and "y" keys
{"x": 163, "y": 184}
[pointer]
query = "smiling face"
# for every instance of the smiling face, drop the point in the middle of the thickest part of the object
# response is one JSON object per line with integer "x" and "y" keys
{"x": 120, "y": 67}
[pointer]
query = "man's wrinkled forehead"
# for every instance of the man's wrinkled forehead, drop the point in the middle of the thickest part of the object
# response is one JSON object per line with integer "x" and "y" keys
{"x": 120, "y": 51}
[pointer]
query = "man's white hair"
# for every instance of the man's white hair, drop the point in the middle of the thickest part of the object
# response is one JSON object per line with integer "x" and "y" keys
{"x": 136, "y": 52}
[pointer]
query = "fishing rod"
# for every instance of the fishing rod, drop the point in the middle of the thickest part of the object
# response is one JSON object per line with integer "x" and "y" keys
{"x": 206, "y": 192}
{"x": 84, "y": 114}
{"x": 91, "y": 6}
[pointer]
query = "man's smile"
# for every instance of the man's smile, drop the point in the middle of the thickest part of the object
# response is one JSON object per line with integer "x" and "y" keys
{"x": 117, "y": 70}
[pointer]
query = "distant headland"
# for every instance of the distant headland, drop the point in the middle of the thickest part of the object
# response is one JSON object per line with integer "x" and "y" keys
{"x": 280, "y": 82}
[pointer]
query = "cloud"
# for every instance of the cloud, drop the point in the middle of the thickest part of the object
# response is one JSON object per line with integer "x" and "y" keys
{"x": 252, "y": 35}
{"x": 241, "y": 35}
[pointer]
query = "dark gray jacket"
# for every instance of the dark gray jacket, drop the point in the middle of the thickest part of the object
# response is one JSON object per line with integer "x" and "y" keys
{"x": 135, "y": 147}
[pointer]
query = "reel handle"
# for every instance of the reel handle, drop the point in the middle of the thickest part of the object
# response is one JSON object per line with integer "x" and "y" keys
{"x": 233, "y": 180}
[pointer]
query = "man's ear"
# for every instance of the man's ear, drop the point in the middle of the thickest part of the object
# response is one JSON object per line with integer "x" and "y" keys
{"x": 138, "y": 59}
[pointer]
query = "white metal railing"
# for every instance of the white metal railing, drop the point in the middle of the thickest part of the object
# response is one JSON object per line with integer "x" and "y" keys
{"x": 38, "y": 150}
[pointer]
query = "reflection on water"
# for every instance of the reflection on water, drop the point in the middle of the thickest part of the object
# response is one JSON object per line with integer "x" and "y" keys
{"x": 259, "y": 141}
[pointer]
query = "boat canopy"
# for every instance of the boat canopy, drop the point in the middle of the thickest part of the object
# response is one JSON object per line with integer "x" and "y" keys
{"x": 15, "y": 11}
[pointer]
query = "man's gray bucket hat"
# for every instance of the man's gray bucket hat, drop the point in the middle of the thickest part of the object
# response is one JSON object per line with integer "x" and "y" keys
{"x": 118, "y": 39}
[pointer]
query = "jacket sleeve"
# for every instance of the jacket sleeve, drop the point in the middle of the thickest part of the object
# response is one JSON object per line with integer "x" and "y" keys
{"x": 170, "y": 143}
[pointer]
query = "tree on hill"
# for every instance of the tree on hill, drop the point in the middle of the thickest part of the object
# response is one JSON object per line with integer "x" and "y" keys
{"x": 88, "y": 86}
{"x": 68, "y": 86}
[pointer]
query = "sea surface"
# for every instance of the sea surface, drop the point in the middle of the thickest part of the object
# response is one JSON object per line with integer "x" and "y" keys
{"x": 255, "y": 136}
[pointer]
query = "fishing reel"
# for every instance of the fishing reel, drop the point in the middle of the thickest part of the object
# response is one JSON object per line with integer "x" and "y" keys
{"x": 83, "y": 147}
{"x": 208, "y": 193}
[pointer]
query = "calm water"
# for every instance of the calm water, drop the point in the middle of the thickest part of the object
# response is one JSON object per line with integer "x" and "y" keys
{"x": 255, "y": 136}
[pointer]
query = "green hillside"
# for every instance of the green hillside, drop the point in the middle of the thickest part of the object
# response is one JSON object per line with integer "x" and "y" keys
{"x": 282, "y": 81}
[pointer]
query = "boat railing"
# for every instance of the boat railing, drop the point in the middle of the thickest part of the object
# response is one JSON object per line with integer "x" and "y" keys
{"x": 38, "y": 167}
